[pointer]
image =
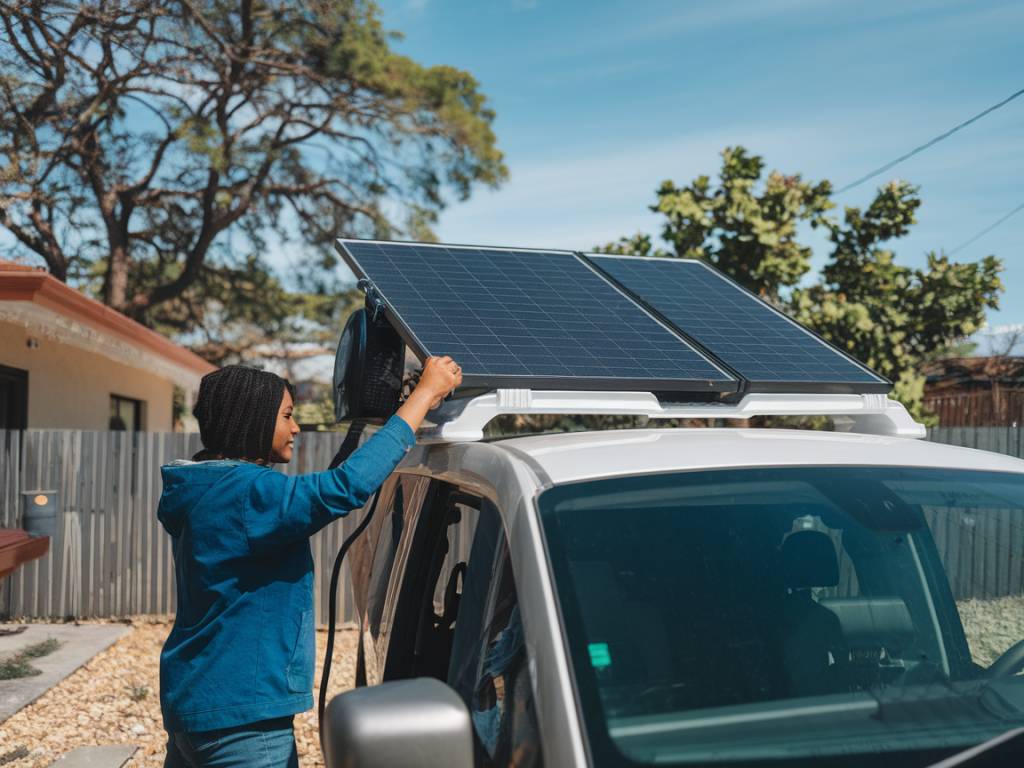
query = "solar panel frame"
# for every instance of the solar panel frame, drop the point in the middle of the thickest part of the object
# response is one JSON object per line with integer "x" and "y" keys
{"x": 878, "y": 385}
{"x": 727, "y": 384}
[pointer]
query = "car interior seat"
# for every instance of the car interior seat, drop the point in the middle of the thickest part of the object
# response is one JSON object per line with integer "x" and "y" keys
{"x": 814, "y": 648}
{"x": 880, "y": 635}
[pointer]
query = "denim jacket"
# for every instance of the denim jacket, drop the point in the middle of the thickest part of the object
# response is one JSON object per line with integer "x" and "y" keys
{"x": 242, "y": 646}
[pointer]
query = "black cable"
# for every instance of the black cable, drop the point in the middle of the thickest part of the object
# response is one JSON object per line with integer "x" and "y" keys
{"x": 349, "y": 444}
{"x": 332, "y": 612}
{"x": 987, "y": 229}
{"x": 931, "y": 143}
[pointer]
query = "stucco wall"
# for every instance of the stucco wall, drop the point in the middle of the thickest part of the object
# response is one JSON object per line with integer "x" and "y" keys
{"x": 69, "y": 388}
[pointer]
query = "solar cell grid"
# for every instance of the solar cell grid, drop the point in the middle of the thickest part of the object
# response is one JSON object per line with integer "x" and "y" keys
{"x": 528, "y": 315}
{"x": 760, "y": 344}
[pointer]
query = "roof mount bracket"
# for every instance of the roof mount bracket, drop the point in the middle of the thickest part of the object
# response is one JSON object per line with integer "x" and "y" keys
{"x": 463, "y": 420}
{"x": 374, "y": 301}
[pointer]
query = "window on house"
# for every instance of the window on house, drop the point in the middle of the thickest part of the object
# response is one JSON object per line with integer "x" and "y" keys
{"x": 125, "y": 414}
{"x": 13, "y": 398}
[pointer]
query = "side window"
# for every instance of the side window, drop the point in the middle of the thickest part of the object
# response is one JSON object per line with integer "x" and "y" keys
{"x": 489, "y": 666}
{"x": 125, "y": 414}
{"x": 450, "y": 564}
{"x": 427, "y": 585}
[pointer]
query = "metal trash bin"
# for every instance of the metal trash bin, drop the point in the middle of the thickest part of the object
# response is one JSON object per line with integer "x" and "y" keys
{"x": 39, "y": 512}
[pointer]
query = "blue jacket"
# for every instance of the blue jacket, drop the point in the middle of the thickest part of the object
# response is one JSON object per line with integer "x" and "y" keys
{"x": 242, "y": 646}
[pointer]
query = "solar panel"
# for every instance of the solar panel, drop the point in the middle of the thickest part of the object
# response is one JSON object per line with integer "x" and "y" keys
{"x": 528, "y": 318}
{"x": 762, "y": 345}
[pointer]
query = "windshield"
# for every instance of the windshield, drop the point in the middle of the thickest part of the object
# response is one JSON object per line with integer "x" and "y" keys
{"x": 818, "y": 616}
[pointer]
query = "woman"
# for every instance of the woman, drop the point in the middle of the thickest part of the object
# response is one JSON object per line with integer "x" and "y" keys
{"x": 238, "y": 663}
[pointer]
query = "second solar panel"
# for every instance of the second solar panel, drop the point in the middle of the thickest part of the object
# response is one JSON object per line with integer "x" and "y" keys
{"x": 765, "y": 347}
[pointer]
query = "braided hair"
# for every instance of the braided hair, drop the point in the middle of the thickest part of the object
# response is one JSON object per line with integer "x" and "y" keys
{"x": 237, "y": 412}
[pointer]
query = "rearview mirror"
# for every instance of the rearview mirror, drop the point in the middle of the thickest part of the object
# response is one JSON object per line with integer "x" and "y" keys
{"x": 419, "y": 723}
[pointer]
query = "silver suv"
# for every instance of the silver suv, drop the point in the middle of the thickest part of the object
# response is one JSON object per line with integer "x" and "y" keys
{"x": 697, "y": 597}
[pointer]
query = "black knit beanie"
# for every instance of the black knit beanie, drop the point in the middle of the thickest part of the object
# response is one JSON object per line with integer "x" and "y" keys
{"x": 237, "y": 412}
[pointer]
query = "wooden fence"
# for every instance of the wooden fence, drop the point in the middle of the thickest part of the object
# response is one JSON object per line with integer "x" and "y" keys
{"x": 978, "y": 409}
{"x": 110, "y": 556}
{"x": 1008, "y": 440}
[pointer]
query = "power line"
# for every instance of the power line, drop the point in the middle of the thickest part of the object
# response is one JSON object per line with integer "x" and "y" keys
{"x": 931, "y": 143}
{"x": 987, "y": 229}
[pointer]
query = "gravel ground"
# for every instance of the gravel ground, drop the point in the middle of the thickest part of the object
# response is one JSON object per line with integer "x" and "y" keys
{"x": 114, "y": 699}
{"x": 992, "y": 626}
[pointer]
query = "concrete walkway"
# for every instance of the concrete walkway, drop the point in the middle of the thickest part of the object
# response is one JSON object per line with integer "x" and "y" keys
{"x": 79, "y": 643}
{"x": 112, "y": 756}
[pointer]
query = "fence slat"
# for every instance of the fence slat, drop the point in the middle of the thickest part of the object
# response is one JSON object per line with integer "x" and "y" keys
{"x": 117, "y": 559}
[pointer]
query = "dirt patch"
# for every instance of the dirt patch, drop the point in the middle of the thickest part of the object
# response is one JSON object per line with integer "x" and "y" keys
{"x": 115, "y": 699}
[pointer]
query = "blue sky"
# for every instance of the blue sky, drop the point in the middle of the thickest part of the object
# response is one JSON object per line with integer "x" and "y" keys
{"x": 598, "y": 102}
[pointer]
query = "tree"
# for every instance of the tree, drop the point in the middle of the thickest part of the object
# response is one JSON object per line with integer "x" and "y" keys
{"x": 892, "y": 317}
{"x": 153, "y": 149}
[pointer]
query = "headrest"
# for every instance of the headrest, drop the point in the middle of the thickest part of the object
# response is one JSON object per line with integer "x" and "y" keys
{"x": 809, "y": 560}
{"x": 872, "y": 622}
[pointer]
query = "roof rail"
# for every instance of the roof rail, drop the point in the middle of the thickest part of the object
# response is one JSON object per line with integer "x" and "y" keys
{"x": 463, "y": 420}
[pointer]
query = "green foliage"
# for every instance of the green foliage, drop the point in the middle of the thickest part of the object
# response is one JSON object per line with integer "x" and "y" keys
{"x": 512, "y": 424}
{"x": 637, "y": 245}
{"x": 155, "y": 151}
{"x": 892, "y": 317}
{"x": 746, "y": 231}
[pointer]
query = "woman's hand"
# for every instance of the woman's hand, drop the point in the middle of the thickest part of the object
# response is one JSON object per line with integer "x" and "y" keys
{"x": 441, "y": 375}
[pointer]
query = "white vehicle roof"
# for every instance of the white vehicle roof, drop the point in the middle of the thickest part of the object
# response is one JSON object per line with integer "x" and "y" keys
{"x": 574, "y": 456}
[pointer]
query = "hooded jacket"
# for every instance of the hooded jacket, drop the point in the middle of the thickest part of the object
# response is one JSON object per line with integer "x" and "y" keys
{"x": 243, "y": 644}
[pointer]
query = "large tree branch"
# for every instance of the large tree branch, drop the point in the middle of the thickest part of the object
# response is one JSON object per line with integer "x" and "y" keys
{"x": 43, "y": 242}
{"x": 240, "y": 90}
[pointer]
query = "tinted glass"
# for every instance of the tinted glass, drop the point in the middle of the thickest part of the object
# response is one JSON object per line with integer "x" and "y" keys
{"x": 824, "y": 616}
{"x": 489, "y": 663}
{"x": 125, "y": 414}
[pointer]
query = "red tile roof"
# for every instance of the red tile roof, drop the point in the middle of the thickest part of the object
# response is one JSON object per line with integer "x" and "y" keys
{"x": 20, "y": 282}
{"x": 14, "y": 266}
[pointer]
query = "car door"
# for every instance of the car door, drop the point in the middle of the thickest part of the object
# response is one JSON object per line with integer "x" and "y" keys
{"x": 456, "y": 618}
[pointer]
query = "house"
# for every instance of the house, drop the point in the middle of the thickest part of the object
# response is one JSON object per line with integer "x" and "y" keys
{"x": 70, "y": 362}
{"x": 976, "y": 391}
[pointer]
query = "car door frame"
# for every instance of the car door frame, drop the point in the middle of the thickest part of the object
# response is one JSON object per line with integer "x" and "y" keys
{"x": 513, "y": 484}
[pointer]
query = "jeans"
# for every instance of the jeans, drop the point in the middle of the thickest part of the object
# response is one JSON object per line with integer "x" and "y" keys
{"x": 266, "y": 744}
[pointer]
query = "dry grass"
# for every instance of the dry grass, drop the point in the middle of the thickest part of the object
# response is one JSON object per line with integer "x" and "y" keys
{"x": 115, "y": 699}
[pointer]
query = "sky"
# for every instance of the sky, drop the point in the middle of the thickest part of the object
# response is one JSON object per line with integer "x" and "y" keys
{"x": 597, "y": 102}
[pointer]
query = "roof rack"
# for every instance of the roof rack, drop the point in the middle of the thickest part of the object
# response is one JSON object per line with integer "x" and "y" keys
{"x": 463, "y": 420}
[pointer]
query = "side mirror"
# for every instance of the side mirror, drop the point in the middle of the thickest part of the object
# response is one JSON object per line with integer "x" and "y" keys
{"x": 419, "y": 723}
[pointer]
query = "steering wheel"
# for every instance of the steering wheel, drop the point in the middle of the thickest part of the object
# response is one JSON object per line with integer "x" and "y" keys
{"x": 1009, "y": 663}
